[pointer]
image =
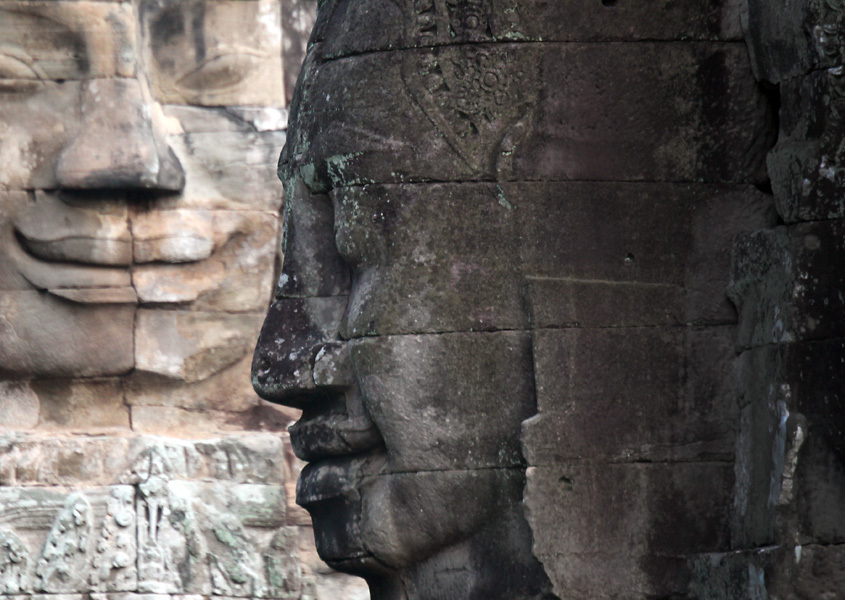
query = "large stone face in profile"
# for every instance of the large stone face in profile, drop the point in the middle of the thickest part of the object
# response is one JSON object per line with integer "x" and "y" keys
{"x": 508, "y": 248}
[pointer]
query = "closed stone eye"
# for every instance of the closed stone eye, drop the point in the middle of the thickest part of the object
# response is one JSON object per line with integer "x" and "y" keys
{"x": 15, "y": 63}
{"x": 221, "y": 72}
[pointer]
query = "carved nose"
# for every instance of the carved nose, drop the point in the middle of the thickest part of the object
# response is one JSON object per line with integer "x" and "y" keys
{"x": 117, "y": 146}
{"x": 298, "y": 358}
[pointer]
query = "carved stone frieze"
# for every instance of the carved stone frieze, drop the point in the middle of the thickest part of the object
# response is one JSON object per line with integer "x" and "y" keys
{"x": 151, "y": 516}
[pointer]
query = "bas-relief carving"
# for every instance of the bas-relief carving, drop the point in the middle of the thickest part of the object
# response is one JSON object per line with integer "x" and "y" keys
{"x": 138, "y": 207}
{"x": 175, "y": 524}
{"x": 121, "y": 200}
{"x": 502, "y": 307}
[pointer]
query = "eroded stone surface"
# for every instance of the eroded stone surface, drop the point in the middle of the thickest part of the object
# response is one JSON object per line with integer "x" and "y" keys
{"x": 606, "y": 393}
{"x": 231, "y": 249}
{"x": 68, "y": 40}
{"x": 382, "y": 25}
{"x": 191, "y": 346}
{"x": 510, "y": 130}
{"x": 39, "y": 330}
{"x": 82, "y": 405}
{"x": 140, "y": 141}
{"x": 238, "y": 60}
{"x": 229, "y": 158}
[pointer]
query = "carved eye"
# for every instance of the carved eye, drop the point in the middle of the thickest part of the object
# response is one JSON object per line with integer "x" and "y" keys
{"x": 16, "y": 64}
{"x": 221, "y": 72}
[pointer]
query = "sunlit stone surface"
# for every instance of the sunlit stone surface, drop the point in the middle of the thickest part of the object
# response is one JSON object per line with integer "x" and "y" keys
{"x": 138, "y": 236}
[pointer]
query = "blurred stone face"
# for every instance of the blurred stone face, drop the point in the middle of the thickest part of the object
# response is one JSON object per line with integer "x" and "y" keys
{"x": 137, "y": 196}
{"x": 478, "y": 194}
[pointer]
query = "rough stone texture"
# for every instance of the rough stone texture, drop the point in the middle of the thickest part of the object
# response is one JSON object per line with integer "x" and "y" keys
{"x": 622, "y": 529}
{"x": 621, "y": 415}
{"x": 152, "y": 516}
{"x": 298, "y": 18}
{"x": 138, "y": 246}
{"x": 47, "y": 336}
{"x": 787, "y": 286}
{"x": 381, "y": 25}
{"x": 229, "y": 156}
{"x": 81, "y": 405}
{"x": 525, "y": 263}
{"x": 222, "y": 390}
{"x": 69, "y": 40}
{"x": 20, "y": 404}
{"x": 192, "y": 346}
{"x": 511, "y": 130}
{"x": 237, "y": 60}
{"x": 230, "y": 248}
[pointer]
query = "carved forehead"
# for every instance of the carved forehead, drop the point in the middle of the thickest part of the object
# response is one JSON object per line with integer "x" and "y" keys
{"x": 349, "y": 27}
{"x": 525, "y": 111}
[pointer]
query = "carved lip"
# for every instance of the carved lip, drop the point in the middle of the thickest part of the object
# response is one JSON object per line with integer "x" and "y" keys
{"x": 84, "y": 249}
{"x": 332, "y": 435}
{"x": 75, "y": 282}
{"x": 336, "y": 477}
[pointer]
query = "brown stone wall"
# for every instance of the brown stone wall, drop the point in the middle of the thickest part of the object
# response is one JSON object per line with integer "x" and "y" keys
{"x": 138, "y": 237}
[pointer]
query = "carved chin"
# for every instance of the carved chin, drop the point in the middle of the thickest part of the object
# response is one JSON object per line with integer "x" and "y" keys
{"x": 392, "y": 521}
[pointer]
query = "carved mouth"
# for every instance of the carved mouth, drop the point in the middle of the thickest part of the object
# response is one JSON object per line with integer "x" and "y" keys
{"x": 341, "y": 449}
{"x": 89, "y": 250}
{"x": 92, "y": 269}
{"x": 84, "y": 283}
{"x": 326, "y": 436}
{"x": 330, "y": 479}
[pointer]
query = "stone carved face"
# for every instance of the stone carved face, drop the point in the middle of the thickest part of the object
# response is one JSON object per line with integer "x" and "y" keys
{"x": 466, "y": 216}
{"x": 136, "y": 194}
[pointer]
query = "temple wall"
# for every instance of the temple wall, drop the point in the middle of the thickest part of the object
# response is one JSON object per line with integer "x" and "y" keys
{"x": 787, "y": 282}
{"x": 135, "y": 459}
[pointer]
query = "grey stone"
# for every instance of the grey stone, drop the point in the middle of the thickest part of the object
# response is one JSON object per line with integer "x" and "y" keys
{"x": 626, "y": 395}
{"x": 786, "y": 283}
{"x": 312, "y": 264}
{"x": 356, "y": 29}
{"x": 806, "y": 165}
{"x": 779, "y": 39}
{"x": 472, "y": 409}
{"x": 298, "y": 17}
{"x": 510, "y": 139}
{"x": 441, "y": 277}
{"x": 605, "y": 529}
{"x": 311, "y": 322}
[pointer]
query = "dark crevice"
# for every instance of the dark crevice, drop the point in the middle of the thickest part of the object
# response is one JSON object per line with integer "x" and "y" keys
{"x": 323, "y": 60}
